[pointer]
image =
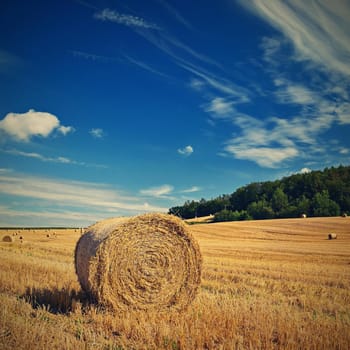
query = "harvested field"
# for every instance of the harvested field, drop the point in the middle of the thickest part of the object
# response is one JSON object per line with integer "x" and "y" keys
{"x": 272, "y": 284}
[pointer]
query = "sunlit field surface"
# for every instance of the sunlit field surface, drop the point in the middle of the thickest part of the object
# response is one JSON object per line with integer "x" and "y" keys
{"x": 271, "y": 284}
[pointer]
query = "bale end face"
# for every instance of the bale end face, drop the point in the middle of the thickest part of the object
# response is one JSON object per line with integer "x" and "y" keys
{"x": 7, "y": 239}
{"x": 332, "y": 236}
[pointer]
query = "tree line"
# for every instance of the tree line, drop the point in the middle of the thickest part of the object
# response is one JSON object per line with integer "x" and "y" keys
{"x": 317, "y": 193}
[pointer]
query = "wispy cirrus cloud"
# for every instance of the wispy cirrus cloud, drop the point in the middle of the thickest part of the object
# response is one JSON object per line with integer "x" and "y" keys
{"x": 145, "y": 66}
{"x": 269, "y": 157}
{"x": 60, "y": 159}
{"x": 124, "y": 19}
{"x": 191, "y": 189}
{"x": 23, "y": 126}
{"x": 318, "y": 31}
{"x": 175, "y": 14}
{"x": 162, "y": 191}
{"x": 92, "y": 56}
{"x": 89, "y": 201}
{"x": 308, "y": 28}
{"x": 219, "y": 106}
{"x": 318, "y": 102}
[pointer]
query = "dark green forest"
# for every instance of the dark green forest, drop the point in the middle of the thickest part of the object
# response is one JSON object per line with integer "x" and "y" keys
{"x": 317, "y": 193}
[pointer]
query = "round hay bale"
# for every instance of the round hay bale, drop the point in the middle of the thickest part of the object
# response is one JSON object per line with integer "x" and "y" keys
{"x": 332, "y": 236}
{"x": 7, "y": 238}
{"x": 148, "y": 262}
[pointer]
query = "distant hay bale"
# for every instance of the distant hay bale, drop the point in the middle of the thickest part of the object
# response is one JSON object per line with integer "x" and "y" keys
{"x": 332, "y": 236}
{"x": 7, "y": 238}
{"x": 148, "y": 262}
{"x": 303, "y": 216}
{"x": 48, "y": 235}
{"x": 344, "y": 215}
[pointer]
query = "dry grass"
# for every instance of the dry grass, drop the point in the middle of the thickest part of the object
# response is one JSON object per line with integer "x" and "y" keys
{"x": 274, "y": 284}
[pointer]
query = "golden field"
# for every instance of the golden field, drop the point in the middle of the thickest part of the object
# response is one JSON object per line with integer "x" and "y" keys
{"x": 270, "y": 284}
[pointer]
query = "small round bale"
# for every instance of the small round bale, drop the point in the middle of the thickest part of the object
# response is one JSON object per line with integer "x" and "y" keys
{"x": 7, "y": 238}
{"x": 148, "y": 262}
{"x": 332, "y": 236}
{"x": 303, "y": 216}
{"x": 344, "y": 215}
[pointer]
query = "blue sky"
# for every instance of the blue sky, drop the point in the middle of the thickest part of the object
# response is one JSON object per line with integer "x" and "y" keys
{"x": 113, "y": 108}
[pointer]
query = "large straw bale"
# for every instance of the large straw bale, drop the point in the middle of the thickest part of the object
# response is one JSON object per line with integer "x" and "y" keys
{"x": 332, "y": 236}
{"x": 148, "y": 262}
{"x": 7, "y": 238}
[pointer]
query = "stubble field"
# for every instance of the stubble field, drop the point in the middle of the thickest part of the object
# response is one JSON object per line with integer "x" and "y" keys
{"x": 271, "y": 284}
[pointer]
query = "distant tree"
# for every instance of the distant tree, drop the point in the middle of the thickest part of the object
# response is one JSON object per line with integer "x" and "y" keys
{"x": 324, "y": 206}
{"x": 279, "y": 201}
{"x": 260, "y": 210}
{"x": 317, "y": 193}
{"x": 229, "y": 215}
{"x": 303, "y": 206}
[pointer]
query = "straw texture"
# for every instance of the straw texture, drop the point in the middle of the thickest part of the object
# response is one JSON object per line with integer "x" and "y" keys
{"x": 149, "y": 262}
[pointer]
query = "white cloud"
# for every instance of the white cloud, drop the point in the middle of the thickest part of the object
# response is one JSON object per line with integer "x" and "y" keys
{"x": 23, "y": 126}
{"x": 191, "y": 189}
{"x": 128, "y": 20}
{"x": 197, "y": 84}
{"x": 65, "y": 129}
{"x": 186, "y": 151}
{"x": 97, "y": 133}
{"x": 60, "y": 159}
{"x": 160, "y": 191}
{"x": 319, "y": 31}
{"x": 264, "y": 156}
{"x": 176, "y": 14}
{"x": 343, "y": 113}
{"x": 145, "y": 66}
{"x": 289, "y": 92}
{"x": 270, "y": 46}
{"x": 238, "y": 94}
{"x": 304, "y": 171}
{"x": 56, "y": 195}
{"x": 220, "y": 106}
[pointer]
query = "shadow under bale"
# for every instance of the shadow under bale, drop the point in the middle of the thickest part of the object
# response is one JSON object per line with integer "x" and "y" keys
{"x": 56, "y": 301}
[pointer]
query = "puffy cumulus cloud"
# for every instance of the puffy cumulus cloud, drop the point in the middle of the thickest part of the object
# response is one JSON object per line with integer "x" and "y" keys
{"x": 304, "y": 171}
{"x": 186, "y": 151}
{"x": 23, "y": 126}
